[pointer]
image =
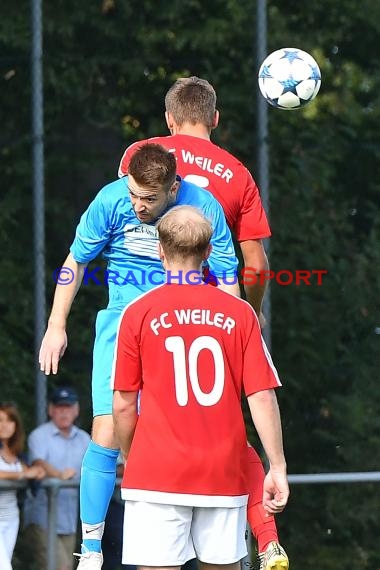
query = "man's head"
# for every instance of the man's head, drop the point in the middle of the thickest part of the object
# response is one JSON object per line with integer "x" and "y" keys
{"x": 184, "y": 234}
{"x": 191, "y": 100}
{"x": 63, "y": 407}
{"x": 152, "y": 181}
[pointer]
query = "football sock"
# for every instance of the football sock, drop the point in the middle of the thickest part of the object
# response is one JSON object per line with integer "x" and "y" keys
{"x": 263, "y": 527}
{"x": 97, "y": 484}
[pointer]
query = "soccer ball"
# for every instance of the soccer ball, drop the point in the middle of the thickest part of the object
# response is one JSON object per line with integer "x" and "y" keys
{"x": 289, "y": 78}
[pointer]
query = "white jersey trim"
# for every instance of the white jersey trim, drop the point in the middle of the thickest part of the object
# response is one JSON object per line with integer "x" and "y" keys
{"x": 184, "y": 499}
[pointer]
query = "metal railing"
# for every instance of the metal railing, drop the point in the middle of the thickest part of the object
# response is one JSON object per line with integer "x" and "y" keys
{"x": 53, "y": 486}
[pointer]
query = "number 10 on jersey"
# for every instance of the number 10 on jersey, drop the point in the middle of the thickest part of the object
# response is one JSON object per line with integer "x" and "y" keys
{"x": 186, "y": 369}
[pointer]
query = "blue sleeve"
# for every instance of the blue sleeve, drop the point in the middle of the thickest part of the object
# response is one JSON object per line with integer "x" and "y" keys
{"x": 94, "y": 229}
{"x": 222, "y": 260}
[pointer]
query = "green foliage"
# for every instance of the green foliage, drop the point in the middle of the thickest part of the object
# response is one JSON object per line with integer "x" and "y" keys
{"x": 107, "y": 65}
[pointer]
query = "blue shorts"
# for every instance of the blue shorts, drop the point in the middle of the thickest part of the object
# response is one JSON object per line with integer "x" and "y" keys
{"x": 107, "y": 322}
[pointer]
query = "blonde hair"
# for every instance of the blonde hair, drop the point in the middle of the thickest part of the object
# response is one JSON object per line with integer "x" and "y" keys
{"x": 191, "y": 100}
{"x": 184, "y": 232}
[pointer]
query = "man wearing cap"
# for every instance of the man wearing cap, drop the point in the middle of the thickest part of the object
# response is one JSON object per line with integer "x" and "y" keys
{"x": 59, "y": 446}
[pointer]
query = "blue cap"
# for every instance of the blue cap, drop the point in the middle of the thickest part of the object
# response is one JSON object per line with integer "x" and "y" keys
{"x": 64, "y": 396}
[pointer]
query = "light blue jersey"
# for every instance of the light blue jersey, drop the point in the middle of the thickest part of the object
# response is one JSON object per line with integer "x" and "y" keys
{"x": 110, "y": 227}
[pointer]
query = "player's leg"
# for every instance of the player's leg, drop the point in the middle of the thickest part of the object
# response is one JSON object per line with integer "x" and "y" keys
{"x": 218, "y": 535}
{"x": 271, "y": 554}
{"x": 98, "y": 474}
{"x": 157, "y": 535}
{"x": 234, "y": 566}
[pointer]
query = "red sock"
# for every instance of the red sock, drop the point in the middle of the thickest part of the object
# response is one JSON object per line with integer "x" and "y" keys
{"x": 263, "y": 527}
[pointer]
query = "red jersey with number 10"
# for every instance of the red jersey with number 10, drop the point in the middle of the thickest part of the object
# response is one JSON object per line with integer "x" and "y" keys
{"x": 191, "y": 350}
{"x": 207, "y": 165}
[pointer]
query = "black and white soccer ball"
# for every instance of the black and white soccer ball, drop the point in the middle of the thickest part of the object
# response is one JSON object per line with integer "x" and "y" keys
{"x": 289, "y": 78}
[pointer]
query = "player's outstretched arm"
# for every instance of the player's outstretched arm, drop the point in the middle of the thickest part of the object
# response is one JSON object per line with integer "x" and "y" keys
{"x": 266, "y": 417}
{"x": 54, "y": 342}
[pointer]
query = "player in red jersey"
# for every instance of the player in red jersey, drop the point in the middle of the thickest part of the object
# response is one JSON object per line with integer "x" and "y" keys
{"x": 191, "y": 350}
{"x": 191, "y": 115}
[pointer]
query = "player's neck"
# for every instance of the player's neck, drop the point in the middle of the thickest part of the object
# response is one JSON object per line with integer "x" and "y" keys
{"x": 184, "y": 273}
{"x": 200, "y": 131}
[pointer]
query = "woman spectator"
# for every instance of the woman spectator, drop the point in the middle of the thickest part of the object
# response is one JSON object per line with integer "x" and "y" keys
{"x": 12, "y": 468}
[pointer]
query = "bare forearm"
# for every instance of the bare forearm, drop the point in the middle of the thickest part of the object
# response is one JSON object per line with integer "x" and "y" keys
{"x": 50, "y": 470}
{"x": 255, "y": 294}
{"x": 266, "y": 418}
{"x": 125, "y": 419}
{"x": 72, "y": 273}
{"x": 255, "y": 266}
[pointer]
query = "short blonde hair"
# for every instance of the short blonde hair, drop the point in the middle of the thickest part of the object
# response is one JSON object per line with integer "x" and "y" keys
{"x": 191, "y": 100}
{"x": 184, "y": 232}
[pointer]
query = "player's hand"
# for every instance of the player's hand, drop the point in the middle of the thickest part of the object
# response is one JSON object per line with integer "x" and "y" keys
{"x": 52, "y": 349}
{"x": 276, "y": 491}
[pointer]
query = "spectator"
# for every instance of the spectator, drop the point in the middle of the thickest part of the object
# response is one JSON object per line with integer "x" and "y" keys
{"x": 58, "y": 446}
{"x": 12, "y": 468}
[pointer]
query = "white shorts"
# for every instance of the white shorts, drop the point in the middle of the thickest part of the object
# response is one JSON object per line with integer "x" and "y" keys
{"x": 170, "y": 535}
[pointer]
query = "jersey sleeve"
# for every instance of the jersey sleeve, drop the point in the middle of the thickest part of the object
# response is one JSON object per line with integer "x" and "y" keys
{"x": 94, "y": 230}
{"x": 259, "y": 372}
{"x": 252, "y": 222}
{"x": 127, "y": 368}
{"x": 222, "y": 261}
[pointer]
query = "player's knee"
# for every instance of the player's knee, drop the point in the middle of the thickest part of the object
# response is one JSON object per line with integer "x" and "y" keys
{"x": 103, "y": 432}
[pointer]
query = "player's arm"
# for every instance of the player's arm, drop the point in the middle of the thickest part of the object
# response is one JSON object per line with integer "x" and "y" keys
{"x": 54, "y": 342}
{"x": 223, "y": 261}
{"x": 250, "y": 228}
{"x": 126, "y": 377}
{"x": 125, "y": 418}
{"x": 255, "y": 264}
{"x": 266, "y": 418}
{"x": 92, "y": 235}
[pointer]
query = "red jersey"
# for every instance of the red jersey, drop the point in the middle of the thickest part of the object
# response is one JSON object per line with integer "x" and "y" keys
{"x": 207, "y": 165}
{"x": 191, "y": 350}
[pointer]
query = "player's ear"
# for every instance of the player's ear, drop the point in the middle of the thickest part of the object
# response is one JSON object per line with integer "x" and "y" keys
{"x": 215, "y": 121}
{"x": 207, "y": 252}
{"x": 161, "y": 254}
{"x": 169, "y": 121}
{"x": 174, "y": 189}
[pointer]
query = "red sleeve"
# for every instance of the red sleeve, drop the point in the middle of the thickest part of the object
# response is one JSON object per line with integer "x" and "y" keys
{"x": 127, "y": 373}
{"x": 259, "y": 372}
{"x": 252, "y": 222}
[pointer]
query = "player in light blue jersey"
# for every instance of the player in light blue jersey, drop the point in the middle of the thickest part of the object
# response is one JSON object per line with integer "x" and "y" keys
{"x": 120, "y": 225}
